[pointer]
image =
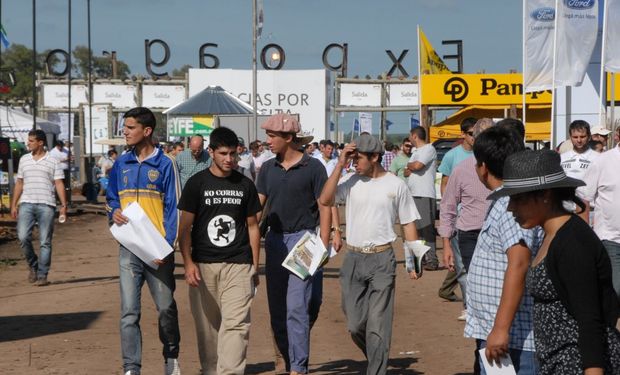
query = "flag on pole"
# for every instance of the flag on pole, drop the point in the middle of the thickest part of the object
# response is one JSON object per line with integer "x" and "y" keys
{"x": 260, "y": 16}
{"x": 388, "y": 123}
{"x": 414, "y": 122}
{"x": 3, "y": 37}
{"x": 612, "y": 35}
{"x": 577, "y": 27}
{"x": 356, "y": 126}
{"x": 538, "y": 26}
{"x": 430, "y": 62}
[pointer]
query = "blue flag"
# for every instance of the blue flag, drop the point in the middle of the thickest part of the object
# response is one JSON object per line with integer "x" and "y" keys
{"x": 414, "y": 122}
{"x": 388, "y": 123}
{"x": 356, "y": 126}
{"x": 332, "y": 126}
{"x": 3, "y": 38}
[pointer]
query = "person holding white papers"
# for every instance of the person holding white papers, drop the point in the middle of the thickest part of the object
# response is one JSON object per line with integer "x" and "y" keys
{"x": 148, "y": 176}
{"x": 220, "y": 242}
{"x": 374, "y": 199}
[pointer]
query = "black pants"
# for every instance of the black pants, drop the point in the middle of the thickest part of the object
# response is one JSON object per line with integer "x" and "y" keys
{"x": 467, "y": 245}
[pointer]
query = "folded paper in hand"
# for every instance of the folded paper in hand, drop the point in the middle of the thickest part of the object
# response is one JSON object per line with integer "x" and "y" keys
{"x": 140, "y": 236}
{"x": 504, "y": 368}
{"x": 306, "y": 256}
{"x": 414, "y": 252}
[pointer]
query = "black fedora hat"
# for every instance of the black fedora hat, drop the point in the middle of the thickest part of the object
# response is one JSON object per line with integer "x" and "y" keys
{"x": 528, "y": 170}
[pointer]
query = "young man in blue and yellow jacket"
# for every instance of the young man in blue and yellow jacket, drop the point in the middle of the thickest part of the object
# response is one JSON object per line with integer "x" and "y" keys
{"x": 148, "y": 176}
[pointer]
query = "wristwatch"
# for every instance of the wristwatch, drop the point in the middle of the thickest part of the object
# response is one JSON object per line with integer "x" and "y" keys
{"x": 336, "y": 229}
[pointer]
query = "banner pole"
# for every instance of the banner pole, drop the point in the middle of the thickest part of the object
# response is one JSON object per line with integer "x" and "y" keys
{"x": 419, "y": 80}
{"x": 553, "y": 93}
{"x": 602, "y": 110}
{"x": 524, "y": 108}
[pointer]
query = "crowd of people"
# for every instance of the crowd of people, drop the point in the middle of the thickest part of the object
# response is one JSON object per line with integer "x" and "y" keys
{"x": 531, "y": 237}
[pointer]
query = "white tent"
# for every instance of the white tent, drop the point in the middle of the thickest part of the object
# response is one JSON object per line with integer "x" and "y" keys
{"x": 16, "y": 124}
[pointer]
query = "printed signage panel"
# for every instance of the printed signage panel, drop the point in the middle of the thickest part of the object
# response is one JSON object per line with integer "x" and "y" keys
{"x": 404, "y": 94}
{"x": 467, "y": 89}
{"x": 184, "y": 126}
{"x": 162, "y": 96}
{"x": 100, "y": 127}
{"x": 360, "y": 95}
{"x": 121, "y": 96}
{"x": 57, "y": 96}
{"x": 302, "y": 92}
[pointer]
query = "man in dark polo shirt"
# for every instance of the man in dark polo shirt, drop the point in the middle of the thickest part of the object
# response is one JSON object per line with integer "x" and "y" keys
{"x": 290, "y": 186}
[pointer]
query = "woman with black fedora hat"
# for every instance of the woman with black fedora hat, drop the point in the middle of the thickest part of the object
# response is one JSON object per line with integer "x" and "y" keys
{"x": 575, "y": 306}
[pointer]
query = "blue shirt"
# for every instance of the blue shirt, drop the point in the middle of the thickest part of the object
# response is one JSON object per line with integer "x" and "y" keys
{"x": 452, "y": 158}
{"x": 189, "y": 166}
{"x": 485, "y": 277}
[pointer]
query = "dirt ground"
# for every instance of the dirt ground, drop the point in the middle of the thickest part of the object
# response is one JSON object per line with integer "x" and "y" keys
{"x": 71, "y": 326}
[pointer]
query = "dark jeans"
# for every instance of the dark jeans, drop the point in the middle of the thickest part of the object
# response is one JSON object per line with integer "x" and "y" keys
{"x": 467, "y": 245}
{"x": 613, "y": 250}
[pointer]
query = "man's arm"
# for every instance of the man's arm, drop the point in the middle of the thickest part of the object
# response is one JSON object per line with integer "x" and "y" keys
{"x": 447, "y": 218}
{"x": 254, "y": 233}
{"x": 411, "y": 234}
{"x": 512, "y": 292}
{"x": 262, "y": 199}
{"x": 444, "y": 183}
{"x": 17, "y": 193}
{"x": 328, "y": 194}
{"x": 192, "y": 272}
{"x": 325, "y": 222}
{"x": 60, "y": 190}
{"x": 337, "y": 240}
{"x": 415, "y": 166}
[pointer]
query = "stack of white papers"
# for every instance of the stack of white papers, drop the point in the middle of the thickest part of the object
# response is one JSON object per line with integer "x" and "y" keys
{"x": 141, "y": 237}
{"x": 306, "y": 256}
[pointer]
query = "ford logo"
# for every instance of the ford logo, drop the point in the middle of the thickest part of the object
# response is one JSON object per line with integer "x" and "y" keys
{"x": 579, "y": 4}
{"x": 543, "y": 14}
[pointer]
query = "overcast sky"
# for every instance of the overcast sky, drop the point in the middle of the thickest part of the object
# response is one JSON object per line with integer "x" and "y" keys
{"x": 490, "y": 30}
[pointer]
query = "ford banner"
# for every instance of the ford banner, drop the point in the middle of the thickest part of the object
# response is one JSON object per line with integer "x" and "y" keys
{"x": 538, "y": 26}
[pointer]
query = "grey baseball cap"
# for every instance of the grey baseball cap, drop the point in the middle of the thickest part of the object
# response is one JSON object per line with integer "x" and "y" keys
{"x": 368, "y": 143}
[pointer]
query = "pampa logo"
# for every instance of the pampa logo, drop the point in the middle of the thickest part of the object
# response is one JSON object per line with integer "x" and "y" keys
{"x": 579, "y": 4}
{"x": 543, "y": 14}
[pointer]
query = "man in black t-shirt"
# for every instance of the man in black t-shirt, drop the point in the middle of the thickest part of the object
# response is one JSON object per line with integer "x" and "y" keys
{"x": 220, "y": 241}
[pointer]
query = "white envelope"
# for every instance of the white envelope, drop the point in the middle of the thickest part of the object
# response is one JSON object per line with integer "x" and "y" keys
{"x": 506, "y": 368}
{"x": 140, "y": 236}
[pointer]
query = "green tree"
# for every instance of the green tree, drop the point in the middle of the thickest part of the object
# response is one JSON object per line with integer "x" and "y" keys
{"x": 18, "y": 60}
{"x": 180, "y": 73}
{"x": 102, "y": 65}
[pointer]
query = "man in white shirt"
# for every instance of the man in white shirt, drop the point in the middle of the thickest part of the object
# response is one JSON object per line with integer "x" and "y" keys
{"x": 575, "y": 162}
{"x": 603, "y": 190}
{"x": 246, "y": 161}
{"x": 60, "y": 153}
{"x": 421, "y": 181}
{"x": 38, "y": 175}
{"x": 374, "y": 200}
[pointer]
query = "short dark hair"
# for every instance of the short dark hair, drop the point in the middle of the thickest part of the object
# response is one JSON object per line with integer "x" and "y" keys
{"x": 254, "y": 145}
{"x": 494, "y": 145}
{"x": 370, "y": 154}
{"x": 143, "y": 116}
{"x": 223, "y": 137}
{"x": 327, "y": 142}
{"x": 38, "y": 134}
{"x": 315, "y": 144}
{"x": 468, "y": 123}
{"x": 112, "y": 152}
{"x": 59, "y": 143}
{"x": 419, "y": 131}
{"x": 514, "y": 125}
{"x": 579, "y": 125}
{"x": 406, "y": 139}
{"x": 593, "y": 144}
{"x": 177, "y": 144}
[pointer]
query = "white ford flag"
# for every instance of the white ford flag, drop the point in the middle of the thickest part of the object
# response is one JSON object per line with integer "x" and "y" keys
{"x": 577, "y": 26}
{"x": 538, "y": 25}
{"x": 612, "y": 36}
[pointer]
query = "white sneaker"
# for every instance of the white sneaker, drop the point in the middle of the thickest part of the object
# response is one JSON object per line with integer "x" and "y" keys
{"x": 130, "y": 373}
{"x": 171, "y": 367}
{"x": 463, "y": 316}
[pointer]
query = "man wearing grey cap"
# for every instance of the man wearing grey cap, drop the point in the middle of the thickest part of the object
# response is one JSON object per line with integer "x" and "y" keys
{"x": 289, "y": 187}
{"x": 374, "y": 199}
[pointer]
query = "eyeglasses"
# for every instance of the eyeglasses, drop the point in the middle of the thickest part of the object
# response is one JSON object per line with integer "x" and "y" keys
{"x": 471, "y": 134}
{"x": 406, "y": 145}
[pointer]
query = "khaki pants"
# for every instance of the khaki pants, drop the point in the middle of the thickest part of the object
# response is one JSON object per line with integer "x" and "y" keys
{"x": 221, "y": 309}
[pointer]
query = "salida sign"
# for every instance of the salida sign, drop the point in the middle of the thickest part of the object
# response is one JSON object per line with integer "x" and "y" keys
{"x": 468, "y": 89}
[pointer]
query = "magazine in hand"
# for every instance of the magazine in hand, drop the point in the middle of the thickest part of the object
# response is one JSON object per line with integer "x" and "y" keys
{"x": 414, "y": 252}
{"x": 306, "y": 256}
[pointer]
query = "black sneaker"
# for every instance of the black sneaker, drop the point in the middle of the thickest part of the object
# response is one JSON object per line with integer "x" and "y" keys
{"x": 32, "y": 276}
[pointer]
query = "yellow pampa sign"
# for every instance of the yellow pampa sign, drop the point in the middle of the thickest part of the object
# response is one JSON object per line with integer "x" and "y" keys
{"x": 477, "y": 89}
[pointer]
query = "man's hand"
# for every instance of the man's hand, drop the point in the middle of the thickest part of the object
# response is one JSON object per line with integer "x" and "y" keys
{"x": 192, "y": 273}
{"x": 347, "y": 154}
{"x": 337, "y": 241}
{"x": 414, "y": 276}
{"x": 14, "y": 211}
{"x": 63, "y": 210}
{"x": 448, "y": 255}
{"x": 118, "y": 218}
{"x": 256, "y": 279}
{"x": 497, "y": 345}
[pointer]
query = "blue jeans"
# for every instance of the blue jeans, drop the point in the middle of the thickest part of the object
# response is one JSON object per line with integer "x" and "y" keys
{"x": 293, "y": 303}
{"x": 613, "y": 250}
{"x": 459, "y": 267}
{"x": 524, "y": 361}
{"x": 133, "y": 274}
{"x": 43, "y": 215}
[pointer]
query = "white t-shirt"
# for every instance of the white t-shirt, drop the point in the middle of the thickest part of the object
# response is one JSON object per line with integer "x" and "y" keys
{"x": 575, "y": 164}
{"x": 39, "y": 176}
{"x": 62, "y": 156}
{"x": 603, "y": 189}
{"x": 247, "y": 161}
{"x": 372, "y": 207}
{"x": 422, "y": 182}
{"x": 329, "y": 165}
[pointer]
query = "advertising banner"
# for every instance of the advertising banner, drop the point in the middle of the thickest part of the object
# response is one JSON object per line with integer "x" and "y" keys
{"x": 57, "y": 96}
{"x": 430, "y": 62}
{"x": 365, "y": 122}
{"x": 302, "y": 92}
{"x": 184, "y": 126}
{"x": 100, "y": 127}
{"x": 538, "y": 26}
{"x": 121, "y": 96}
{"x": 360, "y": 95}
{"x": 162, "y": 96}
{"x": 612, "y": 36}
{"x": 404, "y": 94}
{"x": 467, "y": 89}
{"x": 577, "y": 26}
